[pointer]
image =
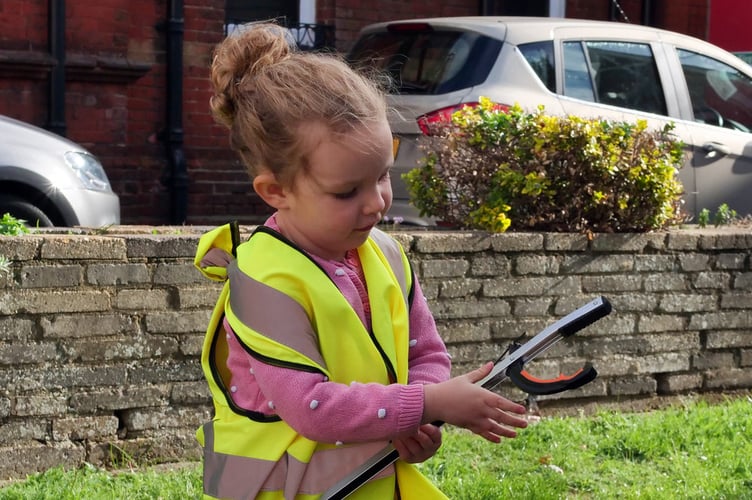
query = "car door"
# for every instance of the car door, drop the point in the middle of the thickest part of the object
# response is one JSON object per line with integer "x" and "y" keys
{"x": 624, "y": 77}
{"x": 716, "y": 99}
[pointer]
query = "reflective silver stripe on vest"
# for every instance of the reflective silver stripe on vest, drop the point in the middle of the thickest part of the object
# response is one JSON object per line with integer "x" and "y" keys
{"x": 235, "y": 477}
{"x": 391, "y": 251}
{"x": 272, "y": 313}
{"x": 231, "y": 476}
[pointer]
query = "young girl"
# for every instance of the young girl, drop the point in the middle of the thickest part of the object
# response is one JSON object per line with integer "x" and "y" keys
{"x": 321, "y": 349}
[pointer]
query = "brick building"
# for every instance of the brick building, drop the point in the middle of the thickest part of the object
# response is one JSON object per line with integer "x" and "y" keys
{"x": 128, "y": 80}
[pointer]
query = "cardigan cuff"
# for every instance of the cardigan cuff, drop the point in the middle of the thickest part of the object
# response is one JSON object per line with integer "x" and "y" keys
{"x": 411, "y": 400}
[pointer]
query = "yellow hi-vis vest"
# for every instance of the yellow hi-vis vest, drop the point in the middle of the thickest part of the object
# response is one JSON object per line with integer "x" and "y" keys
{"x": 286, "y": 311}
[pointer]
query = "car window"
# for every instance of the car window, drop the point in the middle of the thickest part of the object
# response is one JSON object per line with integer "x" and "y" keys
{"x": 428, "y": 61}
{"x": 624, "y": 74}
{"x": 721, "y": 95}
{"x": 540, "y": 57}
{"x": 577, "y": 81}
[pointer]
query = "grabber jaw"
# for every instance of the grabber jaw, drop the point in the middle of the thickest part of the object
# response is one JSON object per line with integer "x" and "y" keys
{"x": 532, "y": 385}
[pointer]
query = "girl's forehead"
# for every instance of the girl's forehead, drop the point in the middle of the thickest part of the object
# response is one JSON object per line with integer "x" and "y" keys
{"x": 365, "y": 137}
{"x": 340, "y": 156}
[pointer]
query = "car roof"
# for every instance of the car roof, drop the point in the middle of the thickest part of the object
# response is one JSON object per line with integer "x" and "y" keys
{"x": 519, "y": 29}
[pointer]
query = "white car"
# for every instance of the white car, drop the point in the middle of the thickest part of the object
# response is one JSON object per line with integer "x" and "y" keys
{"x": 47, "y": 180}
{"x": 593, "y": 69}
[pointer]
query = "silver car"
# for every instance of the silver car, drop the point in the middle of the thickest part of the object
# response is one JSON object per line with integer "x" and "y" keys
{"x": 593, "y": 69}
{"x": 47, "y": 180}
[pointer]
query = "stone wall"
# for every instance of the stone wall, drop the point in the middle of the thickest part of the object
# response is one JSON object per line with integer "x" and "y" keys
{"x": 100, "y": 334}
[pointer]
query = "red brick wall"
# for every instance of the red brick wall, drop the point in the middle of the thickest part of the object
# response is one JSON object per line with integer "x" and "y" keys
{"x": 349, "y": 16}
{"x": 23, "y": 24}
{"x": 116, "y": 87}
{"x": 23, "y": 28}
{"x": 688, "y": 16}
{"x": 588, "y": 9}
{"x": 728, "y": 26}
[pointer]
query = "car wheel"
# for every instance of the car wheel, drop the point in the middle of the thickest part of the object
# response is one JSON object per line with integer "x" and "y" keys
{"x": 22, "y": 209}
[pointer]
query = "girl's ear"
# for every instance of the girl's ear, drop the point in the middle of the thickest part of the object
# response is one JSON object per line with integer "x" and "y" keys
{"x": 270, "y": 190}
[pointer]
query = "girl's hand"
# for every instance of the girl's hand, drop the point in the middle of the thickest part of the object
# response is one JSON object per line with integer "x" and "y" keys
{"x": 459, "y": 401}
{"x": 420, "y": 446}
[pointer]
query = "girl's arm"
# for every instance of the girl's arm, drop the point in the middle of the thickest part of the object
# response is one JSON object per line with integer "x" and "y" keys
{"x": 330, "y": 412}
{"x": 429, "y": 361}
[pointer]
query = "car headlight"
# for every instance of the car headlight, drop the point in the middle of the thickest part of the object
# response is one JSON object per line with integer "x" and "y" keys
{"x": 88, "y": 169}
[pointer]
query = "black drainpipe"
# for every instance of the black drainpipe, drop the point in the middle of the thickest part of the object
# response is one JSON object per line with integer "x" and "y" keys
{"x": 648, "y": 13}
{"x": 178, "y": 176}
{"x": 56, "y": 105}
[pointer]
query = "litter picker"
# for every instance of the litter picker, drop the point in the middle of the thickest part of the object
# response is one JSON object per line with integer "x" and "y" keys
{"x": 509, "y": 365}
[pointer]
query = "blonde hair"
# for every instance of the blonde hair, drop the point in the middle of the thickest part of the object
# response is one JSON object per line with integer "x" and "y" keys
{"x": 269, "y": 94}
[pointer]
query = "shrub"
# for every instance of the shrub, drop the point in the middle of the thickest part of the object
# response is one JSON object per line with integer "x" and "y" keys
{"x": 493, "y": 170}
{"x": 10, "y": 226}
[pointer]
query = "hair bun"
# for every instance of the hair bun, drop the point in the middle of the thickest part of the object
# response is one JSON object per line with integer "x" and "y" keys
{"x": 240, "y": 58}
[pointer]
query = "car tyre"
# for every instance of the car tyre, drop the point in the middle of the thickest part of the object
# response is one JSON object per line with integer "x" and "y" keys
{"x": 22, "y": 209}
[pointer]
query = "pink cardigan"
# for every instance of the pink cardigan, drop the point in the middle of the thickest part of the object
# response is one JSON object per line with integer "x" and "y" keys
{"x": 336, "y": 413}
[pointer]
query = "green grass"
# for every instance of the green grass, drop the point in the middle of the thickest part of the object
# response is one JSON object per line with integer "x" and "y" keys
{"x": 694, "y": 451}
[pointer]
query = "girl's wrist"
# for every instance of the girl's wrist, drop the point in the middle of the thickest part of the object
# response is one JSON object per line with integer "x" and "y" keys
{"x": 431, "y": 403}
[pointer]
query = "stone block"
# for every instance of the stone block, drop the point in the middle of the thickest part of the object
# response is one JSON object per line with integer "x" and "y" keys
{"x": 27, "y": 353}
{"x": 729, "y": 378}
{"x": 28, "y": 457}
{"x": 177, "y": 321}
{"x": 193, "y": 297}
{"x": 444, "y": 268}
{"x": 78, "y": 247}
{"x": 59, "y": 276}
{"x": 456, "y": 288}
{"x": 112, "y": 274}
{"x": 102, "y": 427}
{"x": 137, "y": 299}
{"x": 673, "y": 383}
{"x": 630, "y": 386}
{"x": 61, "y": 326}
{"x": 168, "y": 273}
{"x": 517, "y": 242}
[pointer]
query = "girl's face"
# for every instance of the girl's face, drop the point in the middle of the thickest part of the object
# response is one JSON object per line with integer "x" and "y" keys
{"x": 343, "y": 194}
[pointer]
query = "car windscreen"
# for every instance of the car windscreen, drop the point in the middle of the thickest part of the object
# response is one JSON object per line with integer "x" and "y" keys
{"x": 427, "y": 62}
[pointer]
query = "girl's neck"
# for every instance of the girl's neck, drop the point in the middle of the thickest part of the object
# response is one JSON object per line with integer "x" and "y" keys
{"x": 278, "y": 224}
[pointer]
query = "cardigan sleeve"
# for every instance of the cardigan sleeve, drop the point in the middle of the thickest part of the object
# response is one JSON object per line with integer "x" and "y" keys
{"x": 429, "y": 361}
{"x": 331, "y": 412}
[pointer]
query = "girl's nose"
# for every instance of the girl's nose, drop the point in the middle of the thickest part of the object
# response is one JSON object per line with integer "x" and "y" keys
{"x": 377, "y": 201}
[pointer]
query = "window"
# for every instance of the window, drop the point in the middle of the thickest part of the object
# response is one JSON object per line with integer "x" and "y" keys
{"x": 721, "y": 95}
{"x": 540, "y": 57}
{"x": 429, "y": 62}
{"x": 620, "y": 74}
{"x": 577, "y": 81}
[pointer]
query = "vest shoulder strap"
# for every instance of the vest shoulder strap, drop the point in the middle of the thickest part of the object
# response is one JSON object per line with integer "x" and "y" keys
{"x": 394, "y": 255}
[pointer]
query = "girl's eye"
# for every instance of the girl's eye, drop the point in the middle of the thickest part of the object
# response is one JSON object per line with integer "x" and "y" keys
{"x": 345, "y": 196}
{"x": 384, "y": 176}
